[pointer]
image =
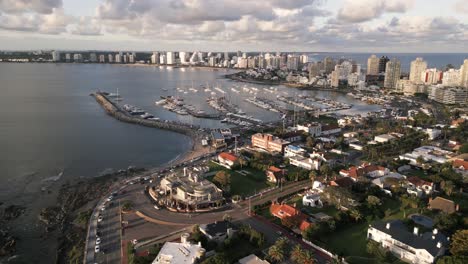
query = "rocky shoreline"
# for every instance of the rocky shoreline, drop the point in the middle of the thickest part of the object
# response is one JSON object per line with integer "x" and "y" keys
{"x": 8, "y": 241}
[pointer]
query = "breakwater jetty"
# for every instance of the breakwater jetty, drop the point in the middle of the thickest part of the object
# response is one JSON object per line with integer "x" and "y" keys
{"x": 118, "y": 113}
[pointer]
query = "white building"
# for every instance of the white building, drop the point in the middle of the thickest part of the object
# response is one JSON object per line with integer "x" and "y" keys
{"x": 291, "y": 151}
{"x": 314, "y": 129}
{"x": 55, "y": 56}
{"x": 384, "y": 138}
{"x": 428, "y": 153}
{"x": 110, "y": 58}
{"x": 92, "y": 57}
{"x": 312, "y": 200}
{"x": 177, "y": 253}
{"x": 452, "y": 77}
{"x": 102, "y": 58}
{"x": 183, "y": 57}
{"x": 155, "y": 58}
{"x": 118, "y": 58}
{"x": 305, "y": 163}
{"x": 410, "y": 247}
{"x": 252, "y": 259}
{"x": 170, "y": 57}
{"x": 418, "y": 66}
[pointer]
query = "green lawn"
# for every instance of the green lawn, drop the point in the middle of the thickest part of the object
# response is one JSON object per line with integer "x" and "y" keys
{"x": 350, "y": 241}
{"x": 253, "y": 181}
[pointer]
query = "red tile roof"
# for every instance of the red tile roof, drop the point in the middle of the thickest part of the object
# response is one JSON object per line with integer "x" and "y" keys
{"x": 460, "y": 164}
{"x": 418, "y": 181}
{"x": 283, "y": 210}
{"x": 228, "y": 156}
{"x": 274, "y": 169}
{"x": 342, "y": 182}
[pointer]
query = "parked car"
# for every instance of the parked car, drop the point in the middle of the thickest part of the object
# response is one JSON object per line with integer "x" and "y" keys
{"x": 156, "y": 207}
{"x": 97, "y": 249}
{"x": 98, "y": 241}
{"x": 100, "y": 218}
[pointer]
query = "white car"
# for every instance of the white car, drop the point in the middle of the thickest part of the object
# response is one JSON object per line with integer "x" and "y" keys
{"x": 109, "y": 198}
{"x": 98, "y": 241}
{"x": 156, "y": 207}
{"x": 103, "y": 207}
{"x": 97, "y": 249}
{"x": 99, "y": 219}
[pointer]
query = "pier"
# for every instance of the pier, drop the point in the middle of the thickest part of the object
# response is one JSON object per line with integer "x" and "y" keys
{"x": 118, "y": 113}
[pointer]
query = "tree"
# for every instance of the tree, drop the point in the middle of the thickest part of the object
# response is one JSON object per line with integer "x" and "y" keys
{"x": 310, "y": 142}
{"x": 297, "y": 254}
{"x": 420, "y": 160}
{"x": 227, "y": 218}
{"x": 325, "y": 170}
{"x": 459, "y": 245}
{"x": 453, "y": 260}
{"x": 242, "y": 162}
{"x": 373, "y": 201}
{"x": 223, "y": 179}
{"x": 290, "y": 222}
{"x": 447, "y": 187}
{"x": 464, "y": 148}
{"x": 276, "y": 253}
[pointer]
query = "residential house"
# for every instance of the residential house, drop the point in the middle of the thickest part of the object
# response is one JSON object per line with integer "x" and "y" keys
{"x": 372, "y": 171}
{"x": 442, "y": 204}
{"x": 292, "y": 136}
{"x": 227, "y": 160}
{"x": 344, "y": 182}
{"x": 269, "y": 143}
{"x": 382, "y": 181}
{"x": 419, "y": 187}
{"x": 312, "y": 200}
{"x": 283, "y": 211}
{"x": 275, "y": 174}
{"x": 217, "y": 231}
{"x": 428, "y": 153}
{"x": 183, "y": 252}
{"x": 460, "y": 166}
{"x": 409, "y": 247}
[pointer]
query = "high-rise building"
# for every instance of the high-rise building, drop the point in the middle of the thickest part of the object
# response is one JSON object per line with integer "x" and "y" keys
{"x": 92, "y": 57}
{"x": 110, "y": 58}
{"x": 131, "y": 58}
{"x": 314, "y": 70}
{"x": 418, "y": 66}
{"x": 67, "y": 57}
{"x": 226, "y": 55}
{"x": 335, "y": 78}
{"x": 102, "y": 58}
{"x": 77, "y": 57}
{"x": 155, "y": 58}
{"x": 293, "y": 62}
{"x": 212, "y": 61}
{"x": 448, "y": 95}
{"x": 383, "y": 64}
{"x": 373, "y": 65}
{"x": 162, "y": 59}
{"x": 118, "y": 58}
{"x": 303, "y": 59}
{"x": 328, "y": 64}
{"x": 392, "y": 73}
{"x": 55, "y": 56}
{"x": 170, "y": 56}
{"x": 431, "y": 76}
{"x": 252, "y": 62}
{"x": 452, "y": 77}
{"x": 183, "y": 57}
{"x": 464, "y": 74}
{"x": 125, "y": 58}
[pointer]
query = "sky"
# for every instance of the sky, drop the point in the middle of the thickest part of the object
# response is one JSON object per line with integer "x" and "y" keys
{"x": 230, "y": 25}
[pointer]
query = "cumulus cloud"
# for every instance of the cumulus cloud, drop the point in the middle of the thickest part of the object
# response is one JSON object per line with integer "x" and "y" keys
{"x": 20, "y": 6}
{"x": 356, "y": 11}
{"x": 53, "y": 23}
{"x": 87, "y": 26}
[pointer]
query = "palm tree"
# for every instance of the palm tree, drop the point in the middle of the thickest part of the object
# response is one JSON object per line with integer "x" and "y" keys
{"x": 355, "y": 214}
{"x": 308, "y": 258}
{"x": 242, "y": 162}
{"x": 276, "y": 253}
{"x": 297, "y": 254}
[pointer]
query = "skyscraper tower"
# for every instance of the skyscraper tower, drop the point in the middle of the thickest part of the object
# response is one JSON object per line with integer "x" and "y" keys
{"x": 383, "y": 63}
{"x": 392, "y": 73}
{"x": 418, "y": 66}
{"x": 373, "y": 65}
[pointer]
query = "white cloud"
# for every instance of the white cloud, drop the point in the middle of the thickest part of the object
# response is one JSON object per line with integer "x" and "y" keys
{"x": 364, "y": 10}
{"x": 20, "y": 6}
